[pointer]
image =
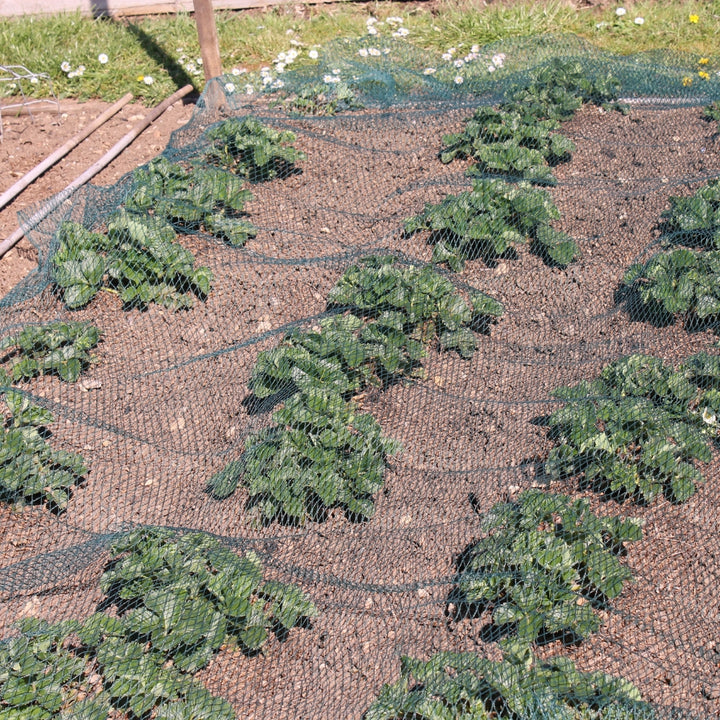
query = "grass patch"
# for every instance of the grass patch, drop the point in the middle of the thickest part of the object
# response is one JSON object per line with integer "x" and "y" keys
{"x": 152, "y": 57}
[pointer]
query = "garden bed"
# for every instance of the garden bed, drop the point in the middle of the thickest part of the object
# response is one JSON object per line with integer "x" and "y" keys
{"x": 163, "y": 409}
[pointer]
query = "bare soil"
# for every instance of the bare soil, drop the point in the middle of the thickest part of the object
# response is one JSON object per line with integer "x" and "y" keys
{"x": 163, "y": 409}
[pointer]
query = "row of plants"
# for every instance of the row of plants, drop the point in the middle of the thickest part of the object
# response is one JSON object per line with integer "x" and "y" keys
{"x": 31, "y": 471}
{"x": 322, "y": 452}
{"x": 519, "y": 142}
{"x": 171, "y": 602}
{"x": 138, "y": 257}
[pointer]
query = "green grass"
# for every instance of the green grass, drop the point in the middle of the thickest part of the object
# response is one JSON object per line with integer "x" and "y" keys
{"x": 163, "y": 47}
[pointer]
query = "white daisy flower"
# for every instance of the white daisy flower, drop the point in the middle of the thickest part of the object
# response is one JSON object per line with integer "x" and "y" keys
{"x": 65, "y": 66}
{"x": 459, "y": 79}
{"x": 620, "y": 11}
{"x": 148, "y": 79}
{"x": 102, "y": 58}
{"x": 429, "y": 71}
{"x": 313, "y": 54}
{"x": 229, "y": 87}
{"x": 639, "y": 20}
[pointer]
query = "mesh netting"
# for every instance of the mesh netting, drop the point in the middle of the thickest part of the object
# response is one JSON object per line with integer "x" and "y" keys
{"x": 381, "y": 396}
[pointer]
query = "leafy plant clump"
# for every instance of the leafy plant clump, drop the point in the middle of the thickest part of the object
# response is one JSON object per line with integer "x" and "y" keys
{"x": 503, "y": 142}
{"x": 30, "y": 470}
{"x": 679, "y": 282}
{"x": 186, "y": 595}
{"x": 47, "y": 673}
{"x": 711, "y": 112}
{"x": 557, "y": 90}
{"x": 321, "y": 454}
{"x": 39, "y": 675}
{"x": 635, "y": 431}
{"x": 323, "y": 99}
{"x": 59, "y": 347}
{"x": 138, "y": 258}
{"x": 544, "y": 566}
{"x": 465, "y": 686}
{"x": 490, "y": 219}
{"x": 519, "y": 139}
{"x": 194, "y": 198}
{"x": 252, "y": 150}
{"x": 694, "y": 221}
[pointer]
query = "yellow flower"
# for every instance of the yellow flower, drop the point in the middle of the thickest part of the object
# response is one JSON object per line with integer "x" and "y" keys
{"x": 703, "y": 61}
{"x": 704, "y": 75}
{"x": 140, "y": 78}
{"x": 693, "y": 18}
{"x": 686, "y": 81}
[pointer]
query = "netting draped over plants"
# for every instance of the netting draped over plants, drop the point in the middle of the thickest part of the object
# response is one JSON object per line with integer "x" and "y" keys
{"x": 389, "y": 393}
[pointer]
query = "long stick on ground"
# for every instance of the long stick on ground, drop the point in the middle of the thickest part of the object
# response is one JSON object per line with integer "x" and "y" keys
{"x": 62, "y": 151}
{"x": 93, "y": 170}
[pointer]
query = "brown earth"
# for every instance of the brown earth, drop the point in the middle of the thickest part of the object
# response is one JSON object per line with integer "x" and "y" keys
{"x": 162, "y": 409}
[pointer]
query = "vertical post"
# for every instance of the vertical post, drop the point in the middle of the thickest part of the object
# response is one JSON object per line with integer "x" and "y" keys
{"x": 207, "y": 35}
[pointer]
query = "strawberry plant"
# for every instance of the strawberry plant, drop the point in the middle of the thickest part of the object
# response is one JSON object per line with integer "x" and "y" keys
{"x": 205, "y": 198}
{"x": 544, "y": 566}
{"x": 58, "y": 347}
{"x": 466, "y": 686}
{"x": 711, "y": 112}
{"x": 321, "y": 454}
{"x": 323, "y": 99}
{"x": 631, "y": 432}
{"x": 139, "y": 259}
{"x": 419, "y": 300}
{"x": 30, "y": 470}
{"x": 185, "y": 595}
{"x": 252, "y": 150}
{"x": 558, "y": 89}
{"x": 39, "y": 675}
{"x": 504, "y": 142}
{"x": 679, "y": 282}
{"x": 695, "y": 220}
{"x": 489, "y": 220}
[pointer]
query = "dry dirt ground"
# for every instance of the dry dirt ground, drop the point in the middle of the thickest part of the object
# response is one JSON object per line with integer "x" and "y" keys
{"x": 163, "y": 408}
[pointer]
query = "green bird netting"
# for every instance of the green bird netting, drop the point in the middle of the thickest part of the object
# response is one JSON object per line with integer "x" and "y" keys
{"x": 391, "y": 392}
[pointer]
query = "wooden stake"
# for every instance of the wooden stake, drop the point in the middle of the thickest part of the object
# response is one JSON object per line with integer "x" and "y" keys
{"x": 93, "y": 170}
{"x": 61, "y": 152}
{"x": 207, "y": 35}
